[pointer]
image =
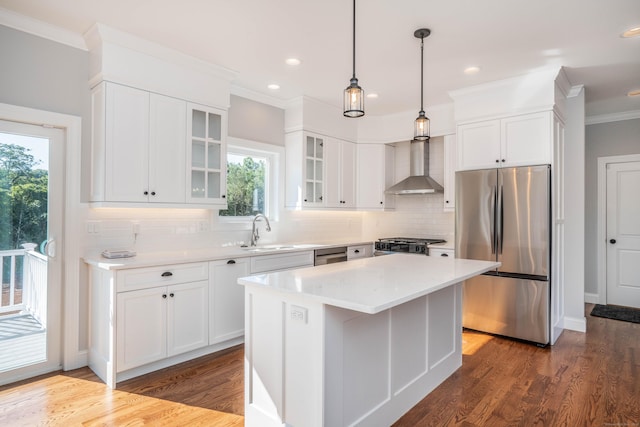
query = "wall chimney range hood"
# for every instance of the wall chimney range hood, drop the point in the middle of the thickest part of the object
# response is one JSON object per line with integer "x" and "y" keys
{"x": 419, "y": 182}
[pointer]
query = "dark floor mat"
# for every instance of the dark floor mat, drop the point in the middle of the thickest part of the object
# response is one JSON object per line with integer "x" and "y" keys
{"x": 616, "y": 312}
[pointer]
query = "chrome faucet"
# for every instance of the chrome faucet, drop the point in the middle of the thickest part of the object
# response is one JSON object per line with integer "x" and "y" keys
{"x": 254, "y": 230}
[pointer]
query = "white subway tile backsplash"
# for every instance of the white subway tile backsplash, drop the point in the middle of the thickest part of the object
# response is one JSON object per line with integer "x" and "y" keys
{"x": 181, "y": 229}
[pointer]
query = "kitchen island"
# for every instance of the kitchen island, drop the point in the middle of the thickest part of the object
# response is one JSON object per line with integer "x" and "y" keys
{"x": 355, "y": 343}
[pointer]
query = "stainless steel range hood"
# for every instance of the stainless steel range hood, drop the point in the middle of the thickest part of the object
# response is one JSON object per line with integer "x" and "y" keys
{"x": 419, "y": 182}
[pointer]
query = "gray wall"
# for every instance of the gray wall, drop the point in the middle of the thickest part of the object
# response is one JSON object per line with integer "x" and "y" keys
{"x": 256, "y": 121}
{"x": 604, "y": 139}
{"x": 45, "y": 75}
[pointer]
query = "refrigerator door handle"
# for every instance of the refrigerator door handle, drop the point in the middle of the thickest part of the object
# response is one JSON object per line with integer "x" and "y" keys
{"x": 494, "y": 197}
{"x": 500, "y": 225}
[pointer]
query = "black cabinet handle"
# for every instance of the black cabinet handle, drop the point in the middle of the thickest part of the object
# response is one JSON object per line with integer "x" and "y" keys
{"x": 320, "y": 197}
{"x": 224, "y": 196}
{"x": 357, "y": 251}
{"x": 153, "y": 193}
{"x": 167, "y": 274}
{"x": 231, "y": 261}
{"x": 503, "y": 160}
{"x": 497, "y": 161}
{"x": 305, "y": 200}
{"x": 381, "y": 203}
{"x": 146, "y": 193}
{"x": 446, "y": 201}
{"x": 612, "y": 241}
{"x": 164, "y": 296}
{"x": 444, "y": 254}
{"x": 171, "y": 294}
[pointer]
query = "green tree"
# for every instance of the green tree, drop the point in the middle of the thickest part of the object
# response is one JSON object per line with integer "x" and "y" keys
{"x": 23, "y": 198}
{"x": 245, "y": 188}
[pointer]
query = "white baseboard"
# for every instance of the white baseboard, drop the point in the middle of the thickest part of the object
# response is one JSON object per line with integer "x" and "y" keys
{"x": 591, "y": 298}
{"x": 80, "y": 359}
{"x": 575, "y": 324}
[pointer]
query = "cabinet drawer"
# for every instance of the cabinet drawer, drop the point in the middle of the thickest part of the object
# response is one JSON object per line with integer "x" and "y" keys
{"x": 442, "y": 252}
{"x": 261, "y": 264}
{"x": 140, "y": 278}
{"x": 361, "y": 251}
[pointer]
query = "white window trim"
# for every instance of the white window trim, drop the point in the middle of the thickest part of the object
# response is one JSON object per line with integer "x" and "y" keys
{"x": 274, "y": 179}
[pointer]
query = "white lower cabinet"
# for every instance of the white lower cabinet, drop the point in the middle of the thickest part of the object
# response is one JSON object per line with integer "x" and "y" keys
{"x": 161, "y": 322}
{"x": 268, "y": 263}
{"x": 226, "y": 299}
{"x": 359, "y": 251}
{"x": 442, "y": 252}
{"x": 144, "y": 319}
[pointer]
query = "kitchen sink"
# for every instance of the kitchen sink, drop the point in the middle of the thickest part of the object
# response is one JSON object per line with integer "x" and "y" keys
{"x": 270, "y": 248}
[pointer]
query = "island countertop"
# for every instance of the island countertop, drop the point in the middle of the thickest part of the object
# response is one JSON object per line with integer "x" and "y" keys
{"x": 371, "y": 285}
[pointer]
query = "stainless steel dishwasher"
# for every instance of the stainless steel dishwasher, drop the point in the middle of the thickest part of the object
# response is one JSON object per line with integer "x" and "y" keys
{"x": 330, "y": 255}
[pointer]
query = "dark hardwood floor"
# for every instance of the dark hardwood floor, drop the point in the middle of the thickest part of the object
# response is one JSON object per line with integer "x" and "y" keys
{"x": 590, "y": 379}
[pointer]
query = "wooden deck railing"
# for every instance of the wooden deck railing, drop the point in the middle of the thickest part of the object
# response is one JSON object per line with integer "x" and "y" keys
{"x": 23, "y": 275}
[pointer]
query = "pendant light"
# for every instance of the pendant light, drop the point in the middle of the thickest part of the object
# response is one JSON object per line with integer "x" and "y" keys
{"x": 354, "y": 95}
{"x": 421, "y": 127}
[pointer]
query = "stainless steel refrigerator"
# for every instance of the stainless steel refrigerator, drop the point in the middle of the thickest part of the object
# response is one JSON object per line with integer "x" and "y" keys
{"x": 504, "y": 214}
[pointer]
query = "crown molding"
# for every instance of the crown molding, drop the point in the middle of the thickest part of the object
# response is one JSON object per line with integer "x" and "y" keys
{"x": 100, "y": 34}
{"x": 259, "y": 97}
{"x": 614, "y": 117}
{"x": 575, "y": 91}
{"x": 38, "y": 28}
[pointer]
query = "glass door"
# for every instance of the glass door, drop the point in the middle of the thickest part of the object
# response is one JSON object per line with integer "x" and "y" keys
{"x": 31, "y": 198}
{"x": 314, "y": 179}
{"x": 207, "y": 156}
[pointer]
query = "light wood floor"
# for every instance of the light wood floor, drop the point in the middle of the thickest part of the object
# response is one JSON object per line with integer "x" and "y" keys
{"x": 590, "y": 379}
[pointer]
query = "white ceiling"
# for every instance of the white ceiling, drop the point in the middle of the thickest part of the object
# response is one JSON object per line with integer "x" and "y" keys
{"x": 505, "y": 38}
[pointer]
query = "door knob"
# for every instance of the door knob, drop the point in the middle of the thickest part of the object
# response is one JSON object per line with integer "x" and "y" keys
{"x": 612, "y": 241}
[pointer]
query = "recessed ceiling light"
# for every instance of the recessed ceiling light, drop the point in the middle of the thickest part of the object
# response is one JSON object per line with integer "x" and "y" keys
{"x": 273, "y": 86}
{"x": 292, "y": 61}
{"x": 632, "y": 32}
{"x": 472, "y": 70}
{"x": 634, "y": 92}
{"x": 372, "y": 95}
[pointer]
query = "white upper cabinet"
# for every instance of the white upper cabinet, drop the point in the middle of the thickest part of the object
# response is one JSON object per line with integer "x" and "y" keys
{"x": 449, "y": 173}
{"x": 527, "y": 139}
{"x": 167, "y": 149}
{"x": 305, "y": 170}
{"x": 206, "y": 156}
{"x": 138, "y": 146}
{"x": 511, "y": 141}
{"x": 340, "y": 176}
{"x": 375, "y": 173}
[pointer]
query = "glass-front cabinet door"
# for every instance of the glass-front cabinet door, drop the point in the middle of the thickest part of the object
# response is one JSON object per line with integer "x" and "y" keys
{"x": 207, "y": 157}
{"x": 314, "y": 170}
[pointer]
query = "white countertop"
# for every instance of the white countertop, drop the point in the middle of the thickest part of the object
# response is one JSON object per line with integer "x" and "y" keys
{"x": 371, "y": 285}
{"x": 150, "y": 259}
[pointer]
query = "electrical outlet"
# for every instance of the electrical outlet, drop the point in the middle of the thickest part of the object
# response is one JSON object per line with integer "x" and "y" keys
{"x": 203, "y": 226}
{"x": 298, "y": 314}
{"x": 93, "y": 227}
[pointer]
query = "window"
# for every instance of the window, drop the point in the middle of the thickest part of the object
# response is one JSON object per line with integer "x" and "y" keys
{"x": 251, "y": 179}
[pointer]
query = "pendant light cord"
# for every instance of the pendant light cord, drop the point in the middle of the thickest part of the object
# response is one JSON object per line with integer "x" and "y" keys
{"x": 421, "y": 72}
{"x": 354, "y": 39}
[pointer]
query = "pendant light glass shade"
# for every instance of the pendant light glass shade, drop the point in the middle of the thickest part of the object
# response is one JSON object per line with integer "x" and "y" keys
{"x": 354, "y": 100}
{"x": 421, "y": 130}
{"x": 353, "y": 95}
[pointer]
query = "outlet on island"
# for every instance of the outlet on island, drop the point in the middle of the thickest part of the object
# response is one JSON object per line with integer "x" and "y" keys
{"x": 298, "y": 314}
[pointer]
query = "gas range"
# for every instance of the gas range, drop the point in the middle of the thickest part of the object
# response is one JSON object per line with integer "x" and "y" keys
{"x": 406, "y": 244}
